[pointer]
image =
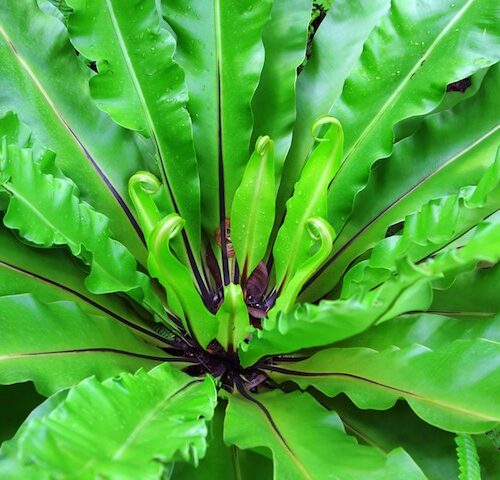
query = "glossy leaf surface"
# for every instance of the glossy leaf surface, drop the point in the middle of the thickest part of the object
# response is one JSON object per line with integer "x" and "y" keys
{"x": 221, "y": 50}
{"x": 57, "y": 344}
{"x": 435, "y": 43}
{"x": 427, "y": 329}
{"x": 150, "y": 403}
{"x": 273, "y": 105}
{"x": 142, "y": 88}
{"x": 331, "y": 321}
{"x": 288, "y": 424}
{"x": 250, "y": 239}
{"x": 252, "y": 213}
{"x": 176, "y": 278}
{"x": 46, "y": 211}
{"x": 62, "y": 116}
{"x": 336, "y": 47}
{"x": 53, "y": 276}
{"x": 232, "y": 318}
{"x": 438, "y": 160}
{"x": 425, "y": 232}
{"x": 292, "y": 246}
{"x": 456, "y": 397}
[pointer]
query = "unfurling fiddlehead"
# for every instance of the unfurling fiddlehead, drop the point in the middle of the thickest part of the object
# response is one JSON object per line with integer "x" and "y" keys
{"x": 141, "y": 187}
{"x": 177, "y": 279}
{"x": 321, "y": 232}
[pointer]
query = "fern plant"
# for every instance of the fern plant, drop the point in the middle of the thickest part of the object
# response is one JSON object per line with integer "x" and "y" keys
{"x": 249, "y": 239}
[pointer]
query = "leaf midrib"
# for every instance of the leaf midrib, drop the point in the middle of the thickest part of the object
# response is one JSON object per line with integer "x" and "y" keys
{"x": 131, "y": 70}
{"x": 218, "y": 66}
{"x": 80, "y": 146}
{"x": 9, "y": 187}
{"x": 333, "y": 259}
{"x": 149, "y": 417}
{"x": 395, "y": 95}
{"x": 102, "y": 309}
{"x": 424, "y": 180}
{"x": 155, "y": 137}
{"x": 104, "y": 271}
{"x": 77, "y": 351}
{"x": 402, "y": 392}
{"x": 277, "y": 434}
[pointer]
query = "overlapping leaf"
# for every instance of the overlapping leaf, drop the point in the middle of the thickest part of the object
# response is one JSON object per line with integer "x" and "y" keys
{"x": 222, "y": 461}
{"x": 17, "y": 133}
{"x": 47, "y": 212}
{"x": 11, "y": 468}
{"x": 335, "y": 50}
{"x": 307, "y": 441}
{"x": 293, "y": 242}
{"x": 52, "y": 276}
{"x": 472, "y": 294}
{"x": 57, "y": 344}
{"x": 438, "y": 160}
{"x": 456, "y": 92}
{"x": 124, "y": 427}
{"x": 273, "y": 104}
{"x": 458, "y": 396}
{"x": 221, "y": 50}
{"x": 328, "y": 322}
{"x": 142, "y": 88}
{"x": 443, "y": 363}
{"x": 409, "y": 290}
{"x": 177, "y": 280}
{"x": 403, "y": 71}
{"x": 432, "y": 449}
{"x": 34, "y": 82}
{"x": 57, "y": 8}
{"x": 427, "y": 329}
{"x": 437, "y": 223}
